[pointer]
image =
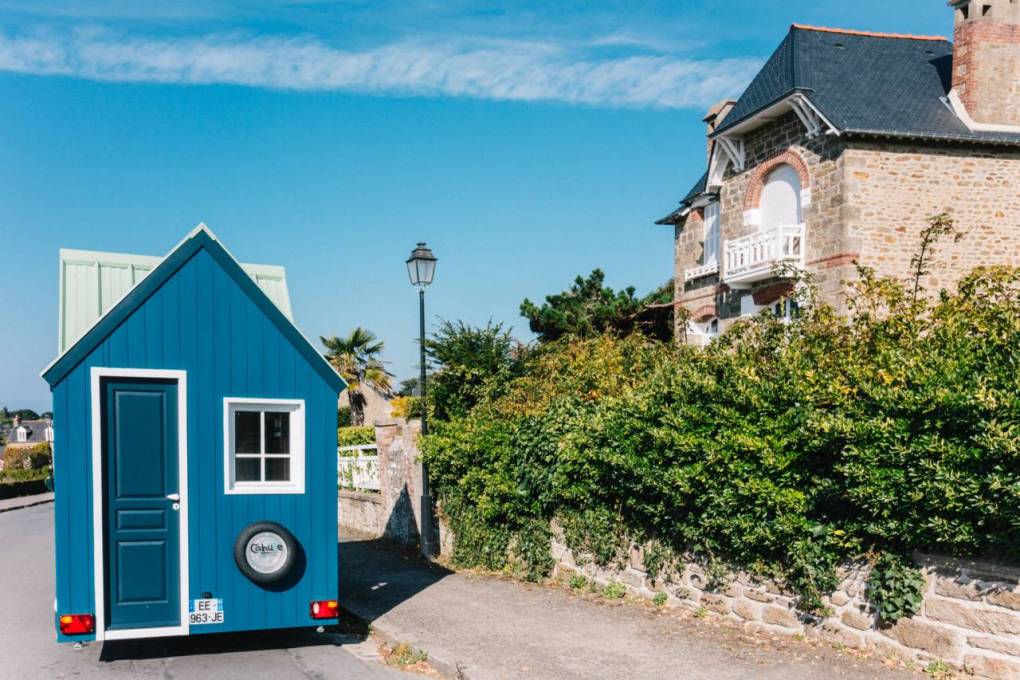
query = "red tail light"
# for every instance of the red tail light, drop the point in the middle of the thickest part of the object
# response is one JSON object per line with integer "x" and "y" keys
{"x": 77, "y": 624}
{"x": 324, "y": 609}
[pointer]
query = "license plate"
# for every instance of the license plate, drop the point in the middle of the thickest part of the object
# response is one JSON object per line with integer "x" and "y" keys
{"x": 209, "y": 610}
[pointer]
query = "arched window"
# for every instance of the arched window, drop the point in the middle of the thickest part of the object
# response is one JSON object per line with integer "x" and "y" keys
{"x": 780, "y": 198}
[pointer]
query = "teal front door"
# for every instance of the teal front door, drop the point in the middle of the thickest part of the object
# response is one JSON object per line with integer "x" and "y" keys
{"x": 140, "y": 479}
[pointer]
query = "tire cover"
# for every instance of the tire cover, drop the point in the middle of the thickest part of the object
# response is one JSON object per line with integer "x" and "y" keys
{"x": 265, "y": 552}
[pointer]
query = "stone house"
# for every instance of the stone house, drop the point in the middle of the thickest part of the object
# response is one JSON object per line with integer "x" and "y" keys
{"x": 837, "y": 153}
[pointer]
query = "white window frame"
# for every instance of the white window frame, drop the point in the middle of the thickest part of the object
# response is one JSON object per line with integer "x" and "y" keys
{"x": 711, "y": 240}
{"x": 296, "y": 408}
{"x": 22, "y": 434}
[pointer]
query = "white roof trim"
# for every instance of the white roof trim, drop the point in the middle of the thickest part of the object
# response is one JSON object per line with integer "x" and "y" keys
{"x": 97, "y": 287}
{"x": 957, "y": 106}
{"x": 770, "y": 113}
{"x": 254, "y": 272}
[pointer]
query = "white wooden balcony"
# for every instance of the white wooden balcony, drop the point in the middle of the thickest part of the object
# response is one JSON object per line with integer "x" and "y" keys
{"x": 701, "y": 270}
{"x": 754, "y": 257}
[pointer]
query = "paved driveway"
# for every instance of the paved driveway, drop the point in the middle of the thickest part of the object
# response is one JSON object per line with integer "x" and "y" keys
{"x": 28, "y": 650}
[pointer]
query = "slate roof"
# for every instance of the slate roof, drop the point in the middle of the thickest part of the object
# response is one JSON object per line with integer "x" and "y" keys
{"x": 865, "y": 84}
{"x": 36, "y": 432}
{"x": 696, "y": 190}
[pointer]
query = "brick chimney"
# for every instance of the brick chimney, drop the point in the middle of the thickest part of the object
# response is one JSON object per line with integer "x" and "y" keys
{"x": 714, "y": 118}
{"x": 986, "y": 59}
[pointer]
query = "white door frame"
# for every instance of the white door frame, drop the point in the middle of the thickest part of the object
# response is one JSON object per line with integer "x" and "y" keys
{"x": 98, "y": 489}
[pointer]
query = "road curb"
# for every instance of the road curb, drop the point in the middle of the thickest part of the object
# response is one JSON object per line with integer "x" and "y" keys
{"x": 440, "y": 659}
{"x": 30, "y": 504}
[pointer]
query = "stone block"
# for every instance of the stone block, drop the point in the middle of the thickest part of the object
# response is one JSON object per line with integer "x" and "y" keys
{"x": 958, "y": 588}
{"x": 715, "y": 603}
{"x": 758, "y": 596}
{"x": 747, "y": 610}
{"x": 733, "y": 590}
{"x": 833, "y": 632}
{"x": 1005, "y": 598}
{"x": 634, "y": 579}
{"x": 697, "y": 578}
{"x": 972, "y": 616}
{"x": 1002, "y": 645}
{"x": 917, "y": 634}
{"x": 857, "y": 619}
{"x": 839, "y": 598}
{"x": 637, "y": 557}
{"x": 993, "y": 667}
{"x": 779, "y": 616}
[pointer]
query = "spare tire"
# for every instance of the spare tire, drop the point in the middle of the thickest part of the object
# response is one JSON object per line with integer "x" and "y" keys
{"x": 265, "y": 552}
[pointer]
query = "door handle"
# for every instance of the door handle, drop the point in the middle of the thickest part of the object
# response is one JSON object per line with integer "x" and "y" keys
{"x": 173, "y": 496}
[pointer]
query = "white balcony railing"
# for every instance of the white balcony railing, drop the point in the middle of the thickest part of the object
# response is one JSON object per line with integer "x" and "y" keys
{"x": 752, "y": 258}
{"x": 701, "y": 270}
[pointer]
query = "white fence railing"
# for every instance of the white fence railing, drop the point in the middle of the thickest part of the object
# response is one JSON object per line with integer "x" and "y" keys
{"x": 752, "y": 258}
{"x": 357, "y": 467}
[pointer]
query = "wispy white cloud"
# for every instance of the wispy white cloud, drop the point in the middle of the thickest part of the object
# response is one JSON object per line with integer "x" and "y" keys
{"x": 481, "y": 69}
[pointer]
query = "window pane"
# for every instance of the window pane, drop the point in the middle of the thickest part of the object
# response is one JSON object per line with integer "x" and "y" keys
{"x": 246, "y": 432}
{"x": 277, "y": 469}
{"x": 277, "y": 432}
{"x": 247, "y": 470}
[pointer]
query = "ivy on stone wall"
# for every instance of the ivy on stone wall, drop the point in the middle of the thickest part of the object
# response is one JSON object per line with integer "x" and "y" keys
{"x": 784, "y": 448}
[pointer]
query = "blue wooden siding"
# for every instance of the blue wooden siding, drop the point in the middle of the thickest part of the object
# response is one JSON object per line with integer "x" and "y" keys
{"x": 202, "y": 322}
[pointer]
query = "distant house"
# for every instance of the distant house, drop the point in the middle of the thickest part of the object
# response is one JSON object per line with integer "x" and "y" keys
{"x": 25, "y": 434}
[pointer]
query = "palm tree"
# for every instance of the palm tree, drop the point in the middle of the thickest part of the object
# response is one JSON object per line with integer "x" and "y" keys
{"x": 356, "y": 358}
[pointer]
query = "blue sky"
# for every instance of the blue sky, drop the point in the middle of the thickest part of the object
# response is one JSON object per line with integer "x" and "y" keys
{"x": 526, "y": 142}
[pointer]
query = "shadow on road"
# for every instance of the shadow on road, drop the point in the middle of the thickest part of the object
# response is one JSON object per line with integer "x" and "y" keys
{"x": 225, "y": 643}
{"x": 377, "y": 575}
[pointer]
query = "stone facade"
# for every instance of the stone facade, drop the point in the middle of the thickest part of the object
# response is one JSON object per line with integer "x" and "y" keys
{"x": 862, "y": 202}
{"x": 986, "y": 60}
{"x": 970, "y": 617}
{"x": 394, "y": 513}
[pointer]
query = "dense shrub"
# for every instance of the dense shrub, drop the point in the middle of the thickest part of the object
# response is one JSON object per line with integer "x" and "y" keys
{"x": 8, "y": 476}
{"x": 355, "y": 436}
{"x": 28, "y": 457}
{"x": 783, "y": 448}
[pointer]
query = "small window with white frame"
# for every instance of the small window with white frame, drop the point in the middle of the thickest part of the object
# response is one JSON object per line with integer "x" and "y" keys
{"x": 264, "y": 445}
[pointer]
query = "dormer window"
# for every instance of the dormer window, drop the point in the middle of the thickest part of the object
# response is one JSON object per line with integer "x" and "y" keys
{"x": 22, "y": 434}
{"x": 49, "y": 434}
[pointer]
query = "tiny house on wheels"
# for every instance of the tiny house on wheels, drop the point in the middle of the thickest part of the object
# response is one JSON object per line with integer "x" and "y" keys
{"x": 194, "y": 449}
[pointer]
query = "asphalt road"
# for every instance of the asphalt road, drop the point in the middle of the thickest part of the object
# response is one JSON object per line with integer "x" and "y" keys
{"x": 28, "y": 650}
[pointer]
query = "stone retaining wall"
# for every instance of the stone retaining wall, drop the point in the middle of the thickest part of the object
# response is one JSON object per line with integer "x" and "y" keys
{"x": 970, "y": 618}
{"x": 394, "y": 512}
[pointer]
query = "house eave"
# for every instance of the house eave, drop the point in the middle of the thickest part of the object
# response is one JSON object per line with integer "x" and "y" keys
{"x": 771, "y": 111}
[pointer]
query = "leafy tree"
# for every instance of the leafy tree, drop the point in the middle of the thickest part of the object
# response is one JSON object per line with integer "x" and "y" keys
{"x": 356, "y": 358}
{"x": 409, "y": 388}
{"x": 26, "y": 414}
{"x": 469, "y": 363}
{"x": 589, "y": 307}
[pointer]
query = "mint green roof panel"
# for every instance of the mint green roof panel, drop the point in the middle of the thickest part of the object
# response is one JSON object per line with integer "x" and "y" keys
{"x": 91, "y": 283}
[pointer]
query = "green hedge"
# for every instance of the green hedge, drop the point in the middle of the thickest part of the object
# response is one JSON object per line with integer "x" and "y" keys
{"x": 354, "y": 436}
{"x": 20, "y": 475}
{"x": 782, "y": 448}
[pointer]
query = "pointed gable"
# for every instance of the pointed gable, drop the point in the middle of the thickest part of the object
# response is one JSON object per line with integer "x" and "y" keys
{"x": 200, "y": 241}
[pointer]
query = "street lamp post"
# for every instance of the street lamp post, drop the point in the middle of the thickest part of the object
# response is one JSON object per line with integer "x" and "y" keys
{"x": 421, "y": 267}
